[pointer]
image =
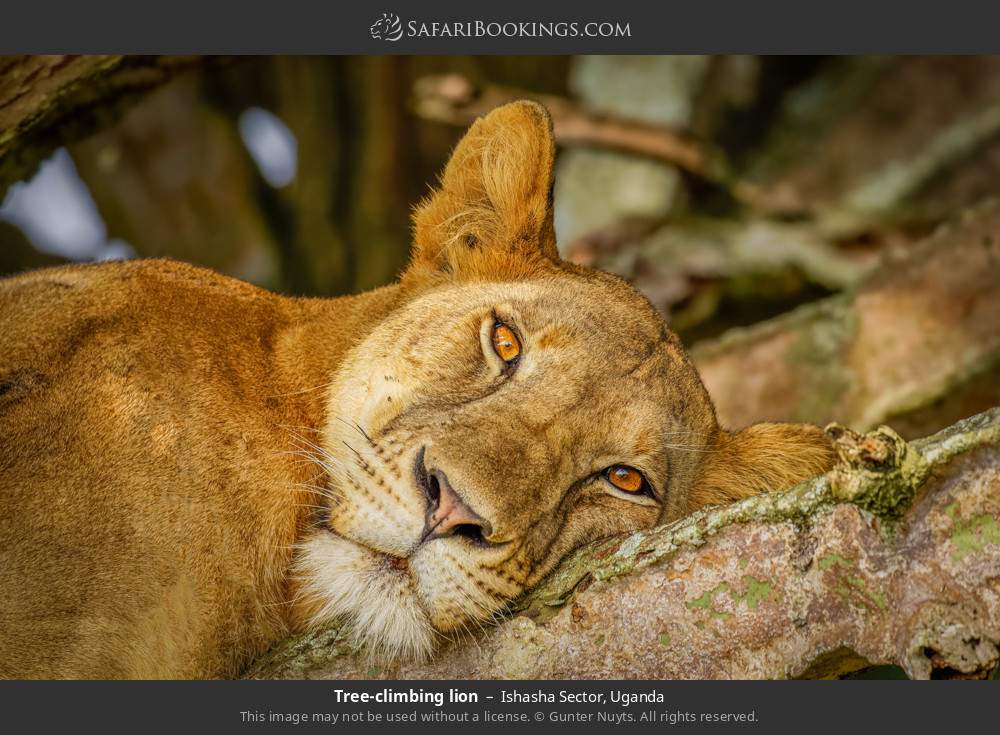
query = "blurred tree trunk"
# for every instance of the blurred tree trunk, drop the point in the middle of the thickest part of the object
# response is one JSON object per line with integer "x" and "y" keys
{"x": 172, "y": 178}
{"x": 349, "y": 205}
{"x": 308, "y": 95}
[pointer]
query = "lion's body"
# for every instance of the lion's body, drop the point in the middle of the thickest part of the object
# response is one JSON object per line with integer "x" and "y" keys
{"x": 148, "y": 507}
{"x": 190, "y": 466}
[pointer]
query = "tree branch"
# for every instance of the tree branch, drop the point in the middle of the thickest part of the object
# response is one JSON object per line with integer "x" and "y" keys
{"x": 852, "y": 358}
{"x": 46, "y": 101}
{"x": 891, "y": 558}
{"x": 455, "y": 100}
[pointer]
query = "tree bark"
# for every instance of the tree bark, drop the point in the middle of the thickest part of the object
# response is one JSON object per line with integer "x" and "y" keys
{"x": 46, "y": 101}
{"x": 889, "y": 559}
{"x": 917, "y": 345}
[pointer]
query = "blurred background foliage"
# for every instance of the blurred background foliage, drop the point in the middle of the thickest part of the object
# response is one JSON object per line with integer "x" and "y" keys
{"x": 299, "y": 174}
{"x": 294, "y": 173}
{"x": 777, "y": 210}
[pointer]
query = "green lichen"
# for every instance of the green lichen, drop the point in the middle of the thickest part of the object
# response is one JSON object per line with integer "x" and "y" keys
{"x": 707, "y": 599}
{"x": 851, "y": 587}
{"x": 664, "y": 639}
{"x": 973, "y": 534}
{"x": 830, "y": 560}
{"x": 755, "y": 592}
{"x": 855, "y": 588}
{"x": 878, "y": 471}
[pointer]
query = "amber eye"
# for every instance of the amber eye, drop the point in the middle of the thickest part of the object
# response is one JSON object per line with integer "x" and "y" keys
{"x": 505, "y": 343}
{"x": 627, "y": 479}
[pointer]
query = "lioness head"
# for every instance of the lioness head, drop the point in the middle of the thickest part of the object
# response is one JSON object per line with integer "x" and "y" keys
{"x": 511, "y": 409}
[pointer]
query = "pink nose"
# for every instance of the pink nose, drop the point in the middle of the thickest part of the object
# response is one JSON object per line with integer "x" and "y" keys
{"x": 448, "y": 513}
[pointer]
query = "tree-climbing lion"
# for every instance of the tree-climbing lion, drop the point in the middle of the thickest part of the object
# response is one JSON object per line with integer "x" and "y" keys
{"x": 192, "y": 468}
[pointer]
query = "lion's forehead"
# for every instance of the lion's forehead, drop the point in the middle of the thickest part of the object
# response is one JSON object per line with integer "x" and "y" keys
{"x": 569, "y": 317}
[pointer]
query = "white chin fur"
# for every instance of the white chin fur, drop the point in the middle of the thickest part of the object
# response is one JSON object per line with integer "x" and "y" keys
{"x": 341, "y": 580}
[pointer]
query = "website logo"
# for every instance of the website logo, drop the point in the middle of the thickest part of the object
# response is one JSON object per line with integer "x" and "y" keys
{"x": 387, "y": 28}
{"x": 390, "y": 28}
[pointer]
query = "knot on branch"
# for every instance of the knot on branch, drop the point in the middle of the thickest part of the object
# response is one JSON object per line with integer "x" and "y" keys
{"x": 878, "y": 471}
{"x": 950, "y": 641}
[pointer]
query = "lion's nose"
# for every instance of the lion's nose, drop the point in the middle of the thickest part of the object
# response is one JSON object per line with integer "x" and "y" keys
{"x": 448, "y": 514}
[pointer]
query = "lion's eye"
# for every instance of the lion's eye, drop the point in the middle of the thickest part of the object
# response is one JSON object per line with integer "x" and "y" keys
{"x": 625, "y": 478}
{"x": 505, "y": 343}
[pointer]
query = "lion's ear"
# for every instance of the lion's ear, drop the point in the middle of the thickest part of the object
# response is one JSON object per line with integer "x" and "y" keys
{"x": 493, "y": 209}
{"x": 761, "y": 458}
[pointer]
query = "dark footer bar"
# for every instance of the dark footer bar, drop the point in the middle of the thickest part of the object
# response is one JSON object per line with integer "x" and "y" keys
{"x": 492, "y": 706}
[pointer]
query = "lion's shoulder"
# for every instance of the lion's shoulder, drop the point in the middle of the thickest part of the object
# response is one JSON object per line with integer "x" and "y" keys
{"x": 157, "y": 309}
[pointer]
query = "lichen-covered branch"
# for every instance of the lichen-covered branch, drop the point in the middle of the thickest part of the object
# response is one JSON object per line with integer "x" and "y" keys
{"x": 890, "y": 559}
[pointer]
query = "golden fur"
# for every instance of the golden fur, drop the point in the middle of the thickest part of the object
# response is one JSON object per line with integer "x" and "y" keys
{"x": 191, "y": 467}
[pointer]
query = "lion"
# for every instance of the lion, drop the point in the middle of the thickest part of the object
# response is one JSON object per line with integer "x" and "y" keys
{"x": 191, "y": 468}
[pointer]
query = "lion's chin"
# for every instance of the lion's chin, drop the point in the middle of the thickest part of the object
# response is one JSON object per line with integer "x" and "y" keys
{"x": 339, "y": 580}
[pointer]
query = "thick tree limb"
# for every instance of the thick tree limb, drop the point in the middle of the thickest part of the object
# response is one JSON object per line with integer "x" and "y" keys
{"x": 869, "y": 135}
{"x": 917, "y": 345}
{"x": 891, "y": 558}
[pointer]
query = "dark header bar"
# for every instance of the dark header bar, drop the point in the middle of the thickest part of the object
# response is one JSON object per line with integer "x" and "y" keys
{"x": 508, "y": 27}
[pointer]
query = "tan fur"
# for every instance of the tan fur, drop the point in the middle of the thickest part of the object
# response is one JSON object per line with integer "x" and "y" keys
{"x": 191, "y": 467}
{"x": 758, "y": 459}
